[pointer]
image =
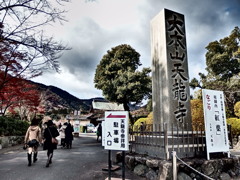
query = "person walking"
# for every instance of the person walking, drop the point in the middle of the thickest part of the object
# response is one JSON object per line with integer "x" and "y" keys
{"x": 62, "y": 134}
{"x": 50, "y": 134}
{"x": 99, "y": 131}
{"x": 32, "y": 139}
{"x": 142, "y": 128}
{"x": 69, "y": 135}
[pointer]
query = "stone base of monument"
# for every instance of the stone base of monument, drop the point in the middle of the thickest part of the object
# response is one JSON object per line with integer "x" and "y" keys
{"x": 219, "y": 167}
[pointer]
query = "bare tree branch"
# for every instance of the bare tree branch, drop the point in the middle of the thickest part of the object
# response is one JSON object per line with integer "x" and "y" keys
{"x": 22, "y": 23}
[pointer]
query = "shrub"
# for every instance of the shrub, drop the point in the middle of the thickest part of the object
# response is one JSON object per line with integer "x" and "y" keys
{"x": 12, "y": 127}
{"x": 197, "y": 113}
{"x": 148, "y": 121}
{"x": 237, "y": 109}
{"x": 235, "y": 125}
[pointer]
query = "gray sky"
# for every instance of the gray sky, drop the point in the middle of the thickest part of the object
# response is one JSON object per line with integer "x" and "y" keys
{"x": 95, "y": 27}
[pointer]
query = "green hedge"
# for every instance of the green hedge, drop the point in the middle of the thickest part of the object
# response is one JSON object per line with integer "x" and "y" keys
{"x": 235, "y": 125}
{"x": 12, "y": 127}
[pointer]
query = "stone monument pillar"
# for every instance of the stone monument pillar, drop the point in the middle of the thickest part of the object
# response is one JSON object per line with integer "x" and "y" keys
{"x": 171, "y": 95}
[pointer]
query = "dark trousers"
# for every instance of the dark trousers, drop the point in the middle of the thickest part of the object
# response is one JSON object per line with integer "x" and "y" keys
{"x": 50, "y": 151}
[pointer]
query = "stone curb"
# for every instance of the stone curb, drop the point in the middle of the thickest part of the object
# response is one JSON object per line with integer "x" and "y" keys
{"x": 11, "y": 148}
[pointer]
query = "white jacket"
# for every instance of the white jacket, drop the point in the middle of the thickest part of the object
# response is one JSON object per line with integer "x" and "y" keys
{"x": 62, "y": 131}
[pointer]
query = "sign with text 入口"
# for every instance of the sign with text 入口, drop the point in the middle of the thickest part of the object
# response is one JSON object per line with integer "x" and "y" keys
{"x": 215, "y": 121}
{"x": 116, "y": 130}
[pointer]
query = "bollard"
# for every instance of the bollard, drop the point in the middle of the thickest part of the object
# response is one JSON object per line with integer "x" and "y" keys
{"x": 174, "y": 165}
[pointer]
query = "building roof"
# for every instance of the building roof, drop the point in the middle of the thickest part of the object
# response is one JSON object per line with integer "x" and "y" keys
{"x": 78, "y": 117}
{"x": 107, "y": 106}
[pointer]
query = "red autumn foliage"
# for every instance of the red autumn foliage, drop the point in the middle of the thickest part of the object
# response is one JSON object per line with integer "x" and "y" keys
{"x": 16, "y": 94}
{"x": 20, "y": 96}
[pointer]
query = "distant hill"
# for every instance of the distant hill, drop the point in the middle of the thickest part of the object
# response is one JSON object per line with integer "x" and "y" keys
{"x": 54, "y": 98}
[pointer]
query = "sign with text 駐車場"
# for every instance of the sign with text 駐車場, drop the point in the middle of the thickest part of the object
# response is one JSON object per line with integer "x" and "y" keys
{"x": 116, "y": 130}
{"x": 215, "y": 121}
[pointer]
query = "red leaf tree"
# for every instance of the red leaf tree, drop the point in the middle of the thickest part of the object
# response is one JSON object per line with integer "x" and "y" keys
{"x": 21, "y": 97}
{"x": 16, "y": 94}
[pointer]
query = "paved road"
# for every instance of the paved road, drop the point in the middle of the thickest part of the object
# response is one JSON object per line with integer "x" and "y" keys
{"x": 83, "y": 162}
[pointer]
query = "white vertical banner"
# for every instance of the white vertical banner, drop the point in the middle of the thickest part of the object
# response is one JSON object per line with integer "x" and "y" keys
{"x": 215, "y": 121}
{"x": 75, "y": 112}
{"x": 76, "y": 126}
{"x": 116, "y": 130}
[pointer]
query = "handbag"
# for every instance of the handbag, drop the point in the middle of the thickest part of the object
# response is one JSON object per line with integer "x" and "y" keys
{"x": 54, "y": 140}
{"x": 25, "y": 146}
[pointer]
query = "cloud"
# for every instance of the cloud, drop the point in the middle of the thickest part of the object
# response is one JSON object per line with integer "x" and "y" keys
{"x": 90, "y": 42}
{"x": 70, "y": 82}
{"x": 95, "y": 27}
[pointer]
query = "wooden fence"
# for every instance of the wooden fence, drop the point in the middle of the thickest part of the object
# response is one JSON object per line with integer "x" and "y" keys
{"x": 160, "y": 140}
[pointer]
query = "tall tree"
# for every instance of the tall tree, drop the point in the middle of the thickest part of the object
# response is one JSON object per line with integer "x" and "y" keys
{"x": 223, "y": 68}
{"x": 118, "y": 78}
{"x": 25, "y": 49}
{"x": 223, "y": 57}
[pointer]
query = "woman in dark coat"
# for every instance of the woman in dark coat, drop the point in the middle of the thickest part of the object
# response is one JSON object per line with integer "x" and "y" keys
{"x": 99, "y": 131}
{"x": 69, "y": 135}
{"x": 49, "y": 133}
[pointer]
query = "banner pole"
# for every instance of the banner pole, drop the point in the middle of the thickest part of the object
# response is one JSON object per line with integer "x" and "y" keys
{"x": 174, "y": 165}
{"x": 109, "y": 164}
{"x": 123, "y": 165}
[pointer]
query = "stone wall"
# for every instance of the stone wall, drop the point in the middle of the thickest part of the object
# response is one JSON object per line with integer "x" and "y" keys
{"x": 157, "y": 169}
{"x": 7, "y": 141}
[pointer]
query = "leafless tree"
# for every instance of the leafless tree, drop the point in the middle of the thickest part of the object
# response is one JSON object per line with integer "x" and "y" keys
{"x": 21, "y": 29}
